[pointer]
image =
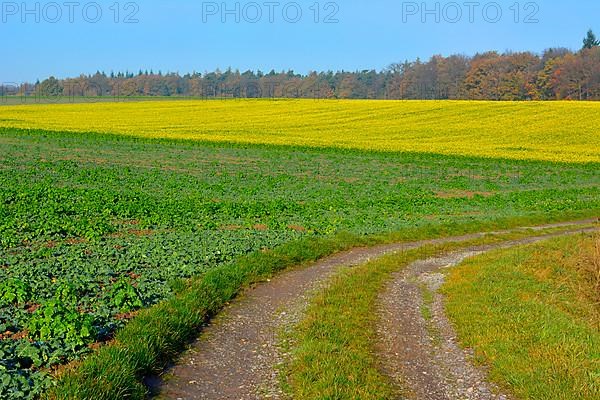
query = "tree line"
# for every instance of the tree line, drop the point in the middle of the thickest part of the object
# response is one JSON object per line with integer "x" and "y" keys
{"x": 556, "y": 74}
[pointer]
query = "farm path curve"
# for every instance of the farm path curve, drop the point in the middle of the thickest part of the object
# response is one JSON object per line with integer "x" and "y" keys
{"x": 417, "y": 345}
{"x": 237, "y": 354}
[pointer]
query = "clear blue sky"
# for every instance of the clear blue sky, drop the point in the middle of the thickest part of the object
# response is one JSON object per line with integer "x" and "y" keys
{"x": 178, "y": 36}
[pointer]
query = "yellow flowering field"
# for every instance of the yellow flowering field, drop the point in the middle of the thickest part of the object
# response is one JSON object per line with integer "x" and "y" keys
{"x": 554, "y": 131}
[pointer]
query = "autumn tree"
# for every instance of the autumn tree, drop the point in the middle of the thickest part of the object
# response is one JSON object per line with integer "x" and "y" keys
{"x": 483, "y": 78}
{"x": 577, "y": 76}
{"x": 51, "y": 87}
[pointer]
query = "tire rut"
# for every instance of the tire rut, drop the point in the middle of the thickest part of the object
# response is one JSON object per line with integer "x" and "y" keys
{"x": 417, "y": 345}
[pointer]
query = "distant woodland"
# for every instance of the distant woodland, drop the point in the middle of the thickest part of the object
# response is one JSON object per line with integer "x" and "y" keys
{"x": 556, "y": 74}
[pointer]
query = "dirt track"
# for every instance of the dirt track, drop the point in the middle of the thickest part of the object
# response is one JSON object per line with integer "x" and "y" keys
{"x": 236, "y": 356}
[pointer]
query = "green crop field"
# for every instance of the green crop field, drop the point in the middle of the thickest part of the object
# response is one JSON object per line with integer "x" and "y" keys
{"x": 95, "y": 227}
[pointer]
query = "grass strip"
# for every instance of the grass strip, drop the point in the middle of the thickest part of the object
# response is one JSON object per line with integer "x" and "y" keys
{"x": 157, "y": 334}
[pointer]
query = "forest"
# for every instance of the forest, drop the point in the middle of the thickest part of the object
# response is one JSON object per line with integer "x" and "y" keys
{"x": 556, "y": 74}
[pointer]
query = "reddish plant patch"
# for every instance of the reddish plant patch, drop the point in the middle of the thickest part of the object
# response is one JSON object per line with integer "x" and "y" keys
{"x": 231, "y": 228}
{"x": 8, "y": 335}
{"x": 126, "y": 316}
{"x": 33, "y": 308}
{"x": 133, "y": 275}
{"x": 140, "y": 232}
{"x": 74, "y": 241}
{"x": 462, "y": 194}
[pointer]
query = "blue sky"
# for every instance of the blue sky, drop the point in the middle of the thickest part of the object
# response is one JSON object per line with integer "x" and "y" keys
{"x": 184, "y": 36}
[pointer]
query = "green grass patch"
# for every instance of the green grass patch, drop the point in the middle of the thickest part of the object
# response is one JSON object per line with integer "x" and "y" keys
{"x": 331, "y": 346}
{"x": 532, "y": 315}
{"x": 426, "y": 306}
